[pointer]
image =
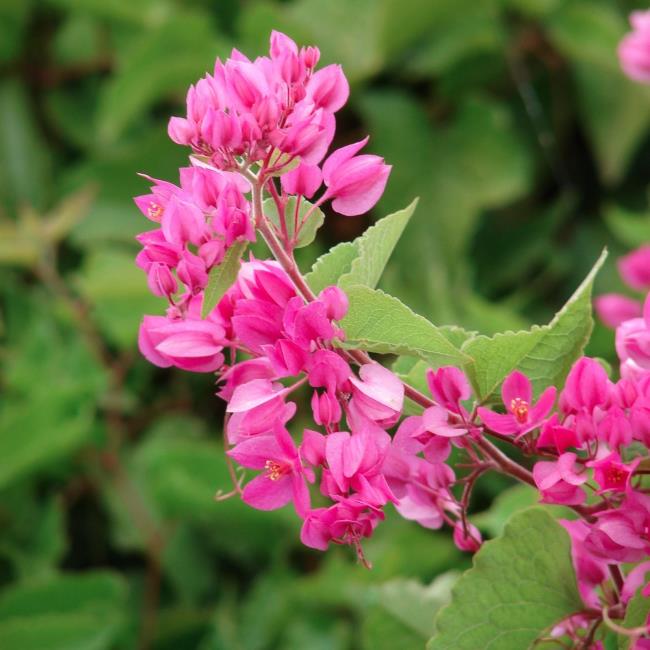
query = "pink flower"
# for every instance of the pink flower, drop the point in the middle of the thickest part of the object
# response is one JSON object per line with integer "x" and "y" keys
{"x": 328, "y": 88}
{"x": 355, "y": 183}
{"x": 283, "y": 479}
{"x": 522, "y": 415}
{"x": 636, "y": 338}
{"x": 555, "y": 436}
{"x": 621, "y": 534}
{"x": 614, "y": 309}
{"x": 303, "y": 180}
{"x": 435, "y": 420}
{"x": 611, "y": 474}
{"x": 378, "y": 394}
{"x": 586, "y": 387}
{"x": 467, "y": 540}
{"x": 558, "y": 481}
{"x": 635, "y": 266}
{"x": 634, "y": 49}
{"x": 449, "y": 388}
{"x": 194, "y": 345}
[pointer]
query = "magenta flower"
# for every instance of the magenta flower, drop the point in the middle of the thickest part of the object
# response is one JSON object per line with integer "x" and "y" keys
{"x": 611, "y": 474}
{"x": 635, "y": 266}
{"x": 449, "y": 388}
{"x": 378, "y": 394}
{"x": 283, "y": 476}
{"x": 304, "y": 180}
{"x": 587, "y": 387}
{"x": 614, "y": 309}
{"x": 522, "y": 415}
{"x": 355, "y": 183}
{"x": 634, "y": 49}
{"x": 558, "y": 481}
{"x": 556, "y": 436}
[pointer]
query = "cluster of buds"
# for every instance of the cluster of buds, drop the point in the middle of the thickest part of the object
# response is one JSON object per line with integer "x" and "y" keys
{"x": 264, "y": 127}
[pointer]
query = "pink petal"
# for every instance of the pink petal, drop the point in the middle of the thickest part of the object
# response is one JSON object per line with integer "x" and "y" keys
{"x": 255, "y": 451}
{"x": 264, "y": 494}
{"x": 516, "y": 386}
{"x": 500, "y": 423}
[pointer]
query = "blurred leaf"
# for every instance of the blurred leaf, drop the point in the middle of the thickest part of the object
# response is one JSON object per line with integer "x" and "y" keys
{"x": 24, "y": 156}
{"x": 375, "y": 247}
{"x": 63, "y": 612}
{"x": 544, "y": 354}
{"x": 636, "y": 615}
{"x": 165, "y": 59}
{"x": 615, "y": 109}
{"x": 44, "y": 416}
{"x": 631, "y": 228}
{"x": 78, "y": 40}
{"x": 117, "y": 289}
{"x": 377, "y": 322}
{"x": 13, "y": 20}
{"x": 402, "y": 612}
{"x": 311, "y": 226}
{"x": 454, "y": 35}
{"x": 222, "y": 276}
{"x": 32, "y": 537}
{"x": 520, "y": 585}
{"x": 142, "y": 13}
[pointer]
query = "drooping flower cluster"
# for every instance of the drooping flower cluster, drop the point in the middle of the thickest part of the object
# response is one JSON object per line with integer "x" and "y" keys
{"x": 262, "y": 128}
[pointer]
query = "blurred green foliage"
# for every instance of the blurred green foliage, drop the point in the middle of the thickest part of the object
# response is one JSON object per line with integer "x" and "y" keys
{"x": 529, "y": 151}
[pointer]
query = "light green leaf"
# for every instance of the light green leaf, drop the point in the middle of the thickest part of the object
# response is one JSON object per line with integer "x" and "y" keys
{"x": 401, "y": 612}
{"x": 329, "y": 267}
{"x": 377, "y": 322}
{"x": 83, "y": 612}
{"x": 375, "y": 247}
{"x": 520, "y": 585}
{"x": 636, "y": 615}
{"x": 308, "y": 231}
{"x": 544, "y": 354}
{"x": 222, "y": 277}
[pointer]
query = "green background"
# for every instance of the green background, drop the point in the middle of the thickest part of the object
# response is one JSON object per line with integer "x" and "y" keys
{"x": 529, "y": 150}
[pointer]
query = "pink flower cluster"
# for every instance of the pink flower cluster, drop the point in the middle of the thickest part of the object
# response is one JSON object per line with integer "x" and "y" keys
{"x": 634, "y": 49}
{"x": 264, "y": 127}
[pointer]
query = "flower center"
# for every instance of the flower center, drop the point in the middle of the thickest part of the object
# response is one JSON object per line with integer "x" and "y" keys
{"x": 154, "y": 210}
{"x": 616, "y": 476}
{"x": 275, "y": 470}
{"x": 519, "y": 408}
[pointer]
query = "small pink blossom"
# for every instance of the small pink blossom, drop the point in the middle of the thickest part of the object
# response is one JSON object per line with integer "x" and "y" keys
{"x": 355, "y": 183}
{"x": 378, "y": 394}
{"x": 611, "y": 474}
{"x": 635, "y": 266}
{"x": 614, "y": 309}
{"x": 449, "y": 388}
{"x": 558, "y": 481}
{"x": 587, "y": 387}
{"x": 522, "y": 414}
{"x": 303, "y": 180}
{"x": 283, "y": 478}
{"x": 634, "y": 49}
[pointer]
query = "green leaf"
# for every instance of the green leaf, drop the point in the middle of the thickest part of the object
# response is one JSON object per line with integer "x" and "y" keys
{"x": 375, "y": 247}
{"x": 377, "y": 322}
{"x": 636, "y": 615}
{"x": 222, "y": 277}
{"x": 161, "y": 60}
{"x": 328, "y": 268}
{"x": 545, "y": 354}
{"x": 83, "y": 612}
{"x": 520, "y": 585}
{"x": 402, "y": 611}
{"x": 631, "y": 228}
{"x": 117, "y": 289}
{"x": 308, "y": 232}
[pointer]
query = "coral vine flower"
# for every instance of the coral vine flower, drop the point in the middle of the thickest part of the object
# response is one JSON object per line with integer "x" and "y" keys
{"x": 611, "y": 474}
{"x": 354, "y": 182}
{"x": 522, "y": 415}
{"x": 559, "y": 482}
{"x": 283, "y": 477}
{"x": 634, "y": 49}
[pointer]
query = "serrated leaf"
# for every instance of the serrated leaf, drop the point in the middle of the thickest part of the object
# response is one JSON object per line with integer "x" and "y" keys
{"x": 636, "y": 614}
{"x": 375, "y": 247}
{"x": 520, "y": 585}
{"x": 378, "y": 322}
{"x": 329, "y": 267}
{"x": 222, "y": 277}
{"x": 545, "y": 354}
{"x": 307, "y": 233}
